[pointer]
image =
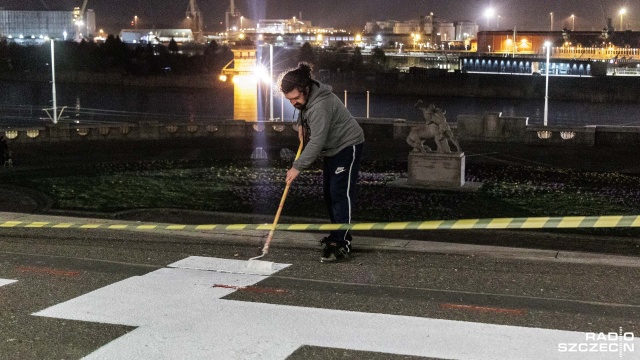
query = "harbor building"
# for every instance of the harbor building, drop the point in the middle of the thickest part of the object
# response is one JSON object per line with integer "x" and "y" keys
{"x": 33, "y": 26}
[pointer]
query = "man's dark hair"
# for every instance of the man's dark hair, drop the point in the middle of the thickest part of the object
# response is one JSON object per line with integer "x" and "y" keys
{"x": 299, "y": 78}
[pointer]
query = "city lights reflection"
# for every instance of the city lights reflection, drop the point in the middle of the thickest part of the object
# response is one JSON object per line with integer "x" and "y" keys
{"x": 245, "y": 97}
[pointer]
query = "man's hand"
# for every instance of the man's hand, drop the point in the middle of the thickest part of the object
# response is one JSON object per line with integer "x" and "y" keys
{"x": 292, "y": 174}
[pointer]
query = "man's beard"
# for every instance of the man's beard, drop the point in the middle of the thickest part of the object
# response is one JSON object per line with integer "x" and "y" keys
{"x": 299, "y": 106}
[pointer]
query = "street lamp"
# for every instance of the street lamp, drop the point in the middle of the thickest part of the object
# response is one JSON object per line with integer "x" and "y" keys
{"x": 241, "y": 18}
{"x": 551, "y": 14}
{"x": 56, "y": 116}
{"x": 416, "y": 38}
{"x": 547, "y": 44}
{"x": 489, "y": 13}
{"x": 622, "y": 12}
{"x": 135, "y": 21}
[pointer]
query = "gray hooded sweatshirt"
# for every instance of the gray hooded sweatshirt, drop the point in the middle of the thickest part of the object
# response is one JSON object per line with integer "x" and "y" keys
{"x": 329, "y": 125}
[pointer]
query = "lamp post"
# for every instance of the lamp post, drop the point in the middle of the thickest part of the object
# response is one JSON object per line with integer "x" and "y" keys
{"x": 551, "y": 14}
{"x": 515, "y": 43}
{"x": 135, "y": 21}
{"x": 271, "y": 82}
{"x": 546, "y": 86}
{"x": 53, "y": 85}
{"x": 622, "y": 12}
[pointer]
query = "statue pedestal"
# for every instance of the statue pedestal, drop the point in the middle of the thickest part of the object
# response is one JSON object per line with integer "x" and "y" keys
{"x": 436, "y": 169}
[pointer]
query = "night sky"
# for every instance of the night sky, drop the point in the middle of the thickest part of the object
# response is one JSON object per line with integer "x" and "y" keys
{"x": 112, "y": 15}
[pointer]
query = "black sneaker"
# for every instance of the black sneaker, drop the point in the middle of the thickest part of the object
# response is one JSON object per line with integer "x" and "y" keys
{"x": 323, "y": 243}
{"x": 334, "y": 251}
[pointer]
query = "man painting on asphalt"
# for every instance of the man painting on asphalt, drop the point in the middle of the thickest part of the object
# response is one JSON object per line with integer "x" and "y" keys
{"x": 332, "y": 132}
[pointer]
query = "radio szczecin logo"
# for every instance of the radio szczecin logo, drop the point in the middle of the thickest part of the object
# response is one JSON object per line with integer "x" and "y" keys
{"x": 611, "y": 342}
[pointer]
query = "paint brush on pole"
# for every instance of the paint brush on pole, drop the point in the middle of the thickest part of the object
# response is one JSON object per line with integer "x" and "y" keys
{"x": 268, "y": 266}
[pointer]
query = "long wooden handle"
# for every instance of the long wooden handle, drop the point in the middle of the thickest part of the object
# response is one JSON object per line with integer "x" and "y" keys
{"x": 265, "y": 249}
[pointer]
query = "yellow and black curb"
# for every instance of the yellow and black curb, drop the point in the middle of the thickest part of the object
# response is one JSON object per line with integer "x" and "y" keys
{"x": 565, "y": 222}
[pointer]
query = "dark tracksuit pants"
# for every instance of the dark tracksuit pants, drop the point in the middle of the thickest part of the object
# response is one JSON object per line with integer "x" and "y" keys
{"x": 340, "y": 175}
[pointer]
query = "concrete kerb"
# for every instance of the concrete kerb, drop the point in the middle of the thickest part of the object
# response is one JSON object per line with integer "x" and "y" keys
{"x": 310, "y": 240}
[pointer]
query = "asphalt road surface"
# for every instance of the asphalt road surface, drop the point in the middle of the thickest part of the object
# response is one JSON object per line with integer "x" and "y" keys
{"x": 109, "y": 294}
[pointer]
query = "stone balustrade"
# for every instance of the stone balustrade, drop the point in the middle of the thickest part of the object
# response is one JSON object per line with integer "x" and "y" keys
{"x": 491, "y": 127}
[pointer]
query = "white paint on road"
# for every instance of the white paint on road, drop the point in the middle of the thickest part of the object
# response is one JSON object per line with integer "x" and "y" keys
{"x": 180, "y": 315}
{"x": 6, "y": 282}
{"x": 225, "y": 265}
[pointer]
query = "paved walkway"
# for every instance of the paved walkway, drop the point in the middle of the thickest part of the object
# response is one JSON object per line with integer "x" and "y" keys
{"x": 310, "y": 240}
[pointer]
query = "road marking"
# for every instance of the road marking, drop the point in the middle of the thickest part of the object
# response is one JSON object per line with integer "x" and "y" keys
{"x": 180, "y": 315}
{"x": 48, "y": 271}
{"x": 483, "y": 309}
{"x": 6, "y": 282}
{"x": 254, "y": 289}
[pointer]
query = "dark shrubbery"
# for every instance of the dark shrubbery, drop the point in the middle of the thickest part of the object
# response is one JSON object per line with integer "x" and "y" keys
{"x": 256, "y": 187}
{"x": 188, "y": 59}
{"x": 115, "y": 56}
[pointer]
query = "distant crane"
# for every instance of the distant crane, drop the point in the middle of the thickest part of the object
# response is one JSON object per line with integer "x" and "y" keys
{"x": 78, "y": 19}
{"x": 194, "y": 14}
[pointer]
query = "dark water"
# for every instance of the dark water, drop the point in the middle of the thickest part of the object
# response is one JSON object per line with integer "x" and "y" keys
{"x": 21, "y": 104}
{"x": 560, "y": 112}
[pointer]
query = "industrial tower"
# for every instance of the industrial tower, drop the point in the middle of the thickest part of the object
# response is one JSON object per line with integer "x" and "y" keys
{"x": 231, "y": 13}
{"x": 79, "y": 20}
{"x": 194, "y": 14}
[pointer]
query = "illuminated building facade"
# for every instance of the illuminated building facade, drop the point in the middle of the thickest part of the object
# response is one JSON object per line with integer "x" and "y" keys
{"x": 466, "y": 30}
{"x": 245, "y": 83}
{"x": 526, "y": 42}
{"x": 156, "y": 36}
{"x": 284, "y": 26}
{"x": 433, "y": 33}
{"x": 32, "y": 27}
{"x": 444, "y": 31}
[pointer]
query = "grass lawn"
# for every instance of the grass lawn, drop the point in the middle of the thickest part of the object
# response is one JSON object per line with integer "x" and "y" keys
{"x": 255, "y": 187}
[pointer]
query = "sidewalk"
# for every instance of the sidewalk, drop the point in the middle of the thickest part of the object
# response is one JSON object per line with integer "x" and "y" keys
{"x": 310, "y": 240}
{"x": 29, "y": 206}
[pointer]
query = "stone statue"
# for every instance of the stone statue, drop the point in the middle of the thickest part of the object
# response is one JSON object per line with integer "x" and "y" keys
{"x": 436, "y": 128}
